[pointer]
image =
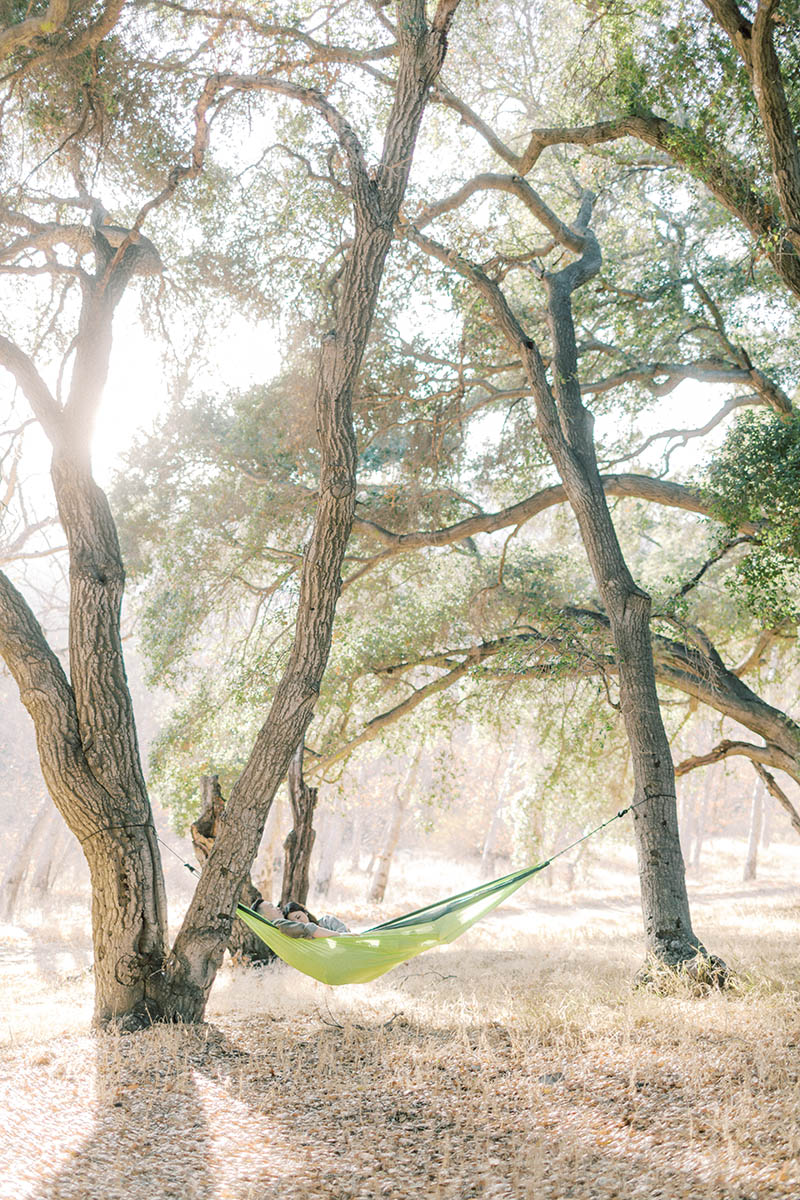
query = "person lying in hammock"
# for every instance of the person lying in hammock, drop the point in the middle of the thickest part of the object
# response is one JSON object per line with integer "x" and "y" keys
{"x": 295, "y": 911}
{"x": 296, "y": 924}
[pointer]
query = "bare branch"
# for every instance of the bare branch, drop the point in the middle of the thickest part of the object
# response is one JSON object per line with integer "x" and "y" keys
{"x": 770, "y": 755}
{"x": 680, "y": 437}
{"x": 45, "y": 407}
{"x": 514, "y": 185}
{"x": 778, "y": 794}
{"x": 475, "y": 655}
{"x": 767, "y": 638}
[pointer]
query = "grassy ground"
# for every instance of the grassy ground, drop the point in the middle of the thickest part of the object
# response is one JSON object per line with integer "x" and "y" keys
{"x": 517, "y": 1063}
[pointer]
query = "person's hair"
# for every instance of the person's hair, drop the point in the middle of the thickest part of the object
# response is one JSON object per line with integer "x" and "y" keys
{"x": 296, "y": 906}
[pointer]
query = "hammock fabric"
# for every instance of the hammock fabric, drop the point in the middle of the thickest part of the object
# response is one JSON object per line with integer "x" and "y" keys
{"x": 359, "y": 957}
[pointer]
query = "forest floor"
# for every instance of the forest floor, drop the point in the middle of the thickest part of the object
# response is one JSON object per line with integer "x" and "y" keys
{"x": 517, "y": 1063}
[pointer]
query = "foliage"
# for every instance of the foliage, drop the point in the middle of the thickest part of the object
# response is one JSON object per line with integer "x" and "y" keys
{"x": 756, "y": 478}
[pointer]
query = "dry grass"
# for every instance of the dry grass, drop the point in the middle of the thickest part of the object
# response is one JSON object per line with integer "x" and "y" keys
{"x": 518, "y": 1063}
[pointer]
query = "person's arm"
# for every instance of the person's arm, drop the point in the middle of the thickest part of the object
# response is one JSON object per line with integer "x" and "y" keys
{"x": 317, "y": 931}
{"x": 333, "y": 923}
{"x": 296, "y": 929}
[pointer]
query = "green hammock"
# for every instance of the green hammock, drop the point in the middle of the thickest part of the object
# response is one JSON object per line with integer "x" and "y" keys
{"x": 359, "y": 957}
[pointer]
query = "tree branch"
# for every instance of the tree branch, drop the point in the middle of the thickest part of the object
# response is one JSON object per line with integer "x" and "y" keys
{"x": 513, "y": 185}
{"x": 45, "y": 407}
{"x": 639, "y": 487}
{"x": 778, "y": 794}
{"x": 771, "y": 755}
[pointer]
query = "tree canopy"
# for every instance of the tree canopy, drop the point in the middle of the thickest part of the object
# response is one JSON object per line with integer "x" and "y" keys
{"x": 473, "y": 420}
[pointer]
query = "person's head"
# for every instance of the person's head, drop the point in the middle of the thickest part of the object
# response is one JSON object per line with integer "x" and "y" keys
{"x": 295, "y": 911}
{"x": 269, "y": 910}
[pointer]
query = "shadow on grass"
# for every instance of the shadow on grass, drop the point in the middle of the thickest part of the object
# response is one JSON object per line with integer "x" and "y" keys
{"x": 388, "y": 1108}
{"x": 150, "y": 1133}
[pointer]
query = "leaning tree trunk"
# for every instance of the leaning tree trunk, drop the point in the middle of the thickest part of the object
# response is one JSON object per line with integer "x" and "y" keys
{"x": 85, "y": 730}
{"x": 300, "y": 838}
{"x": 376, "y": 195}
{"x": 242, "y": 943}
{"x": 566, "y": 428}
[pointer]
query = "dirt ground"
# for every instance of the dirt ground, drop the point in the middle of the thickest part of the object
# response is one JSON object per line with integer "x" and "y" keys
{"x": 517, "y": 1063}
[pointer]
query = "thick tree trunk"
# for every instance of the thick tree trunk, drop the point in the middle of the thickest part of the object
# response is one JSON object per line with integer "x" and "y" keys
{"x": 300, "y": 839}
{"x": 128, "y": 896}
{"x": 113, "y": 824}
{"x": 754, "y": 837}
{"x": 198, "y": 949}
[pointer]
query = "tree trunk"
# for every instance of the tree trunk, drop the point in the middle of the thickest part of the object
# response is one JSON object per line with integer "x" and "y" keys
{"x": 242, "y": 943}
{"x": 377, "y": 197}
{"x": 383, "y": 861}
{"x": 329, "y": 843}
{"x": 300, "y": 839}
{"x": 20, "y": 866}
{"x": 756, "y": 820}
{"x": 566, "y": 428}
{"x": 383, "y": 864}
{"x": 701, "y": 820}
{"x": 97, "y": 787}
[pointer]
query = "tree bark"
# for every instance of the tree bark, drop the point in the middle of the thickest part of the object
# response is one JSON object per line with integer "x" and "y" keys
{"x": 92, "y": 773}
{"x": 300, "y": 839}
{"x": 566, "y": 428}
{"x": 191, "y": 967}
{"x": 85, "y": 730}
{"x": 242, "y": 943}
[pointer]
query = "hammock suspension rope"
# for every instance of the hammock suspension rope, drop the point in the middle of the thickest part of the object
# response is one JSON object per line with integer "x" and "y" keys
{"x": 360, "y": 957}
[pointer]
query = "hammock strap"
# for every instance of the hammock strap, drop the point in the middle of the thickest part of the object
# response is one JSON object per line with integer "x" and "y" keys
{"x": 441, "y": 907}
{"x": 462, "y": 898}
